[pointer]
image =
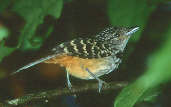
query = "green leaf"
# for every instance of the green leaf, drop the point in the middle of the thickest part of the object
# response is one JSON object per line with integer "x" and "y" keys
{"x": 5, "y": 51}
{"x": 3, "y": 33}
{"x": 34, "y": 11}
{"x": 158, "y": 72}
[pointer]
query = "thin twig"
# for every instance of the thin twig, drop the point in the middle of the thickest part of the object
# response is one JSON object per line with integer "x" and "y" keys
{"x": 62, "y": 91}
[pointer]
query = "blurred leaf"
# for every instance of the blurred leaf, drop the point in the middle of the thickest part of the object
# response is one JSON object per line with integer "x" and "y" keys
{"x": 3, "y": 32}
{"x": 4, "y": 4}
{"x": 158, "y": 72}
{"x": 130, "y": 13}
{"x": 34, "y": 11}
{"x": 5, "y": 51}
{"x": 150, "y": 95}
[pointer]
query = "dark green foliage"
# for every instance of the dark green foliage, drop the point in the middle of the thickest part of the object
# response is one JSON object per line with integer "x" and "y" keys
{"x": 158, "y": 72}
{"x": 33, "y": 12}
{"x": 132, "y": 12}
{"x": 147, "y": 58}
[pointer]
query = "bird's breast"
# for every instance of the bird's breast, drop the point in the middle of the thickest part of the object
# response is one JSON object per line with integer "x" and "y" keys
{"x": 77, "y": 66}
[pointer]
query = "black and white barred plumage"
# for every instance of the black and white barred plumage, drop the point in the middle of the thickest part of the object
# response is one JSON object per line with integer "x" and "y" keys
{"x": 109, "y": 42}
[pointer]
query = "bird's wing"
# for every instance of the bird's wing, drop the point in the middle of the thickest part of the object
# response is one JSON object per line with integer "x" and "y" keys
{"x": 85, "y": 48}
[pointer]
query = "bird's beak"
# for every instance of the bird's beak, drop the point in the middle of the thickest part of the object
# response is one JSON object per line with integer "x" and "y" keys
{"x": 132, "y": 30}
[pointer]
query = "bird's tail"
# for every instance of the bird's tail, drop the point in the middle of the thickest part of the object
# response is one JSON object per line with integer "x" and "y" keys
{"x": 34, "y": 63}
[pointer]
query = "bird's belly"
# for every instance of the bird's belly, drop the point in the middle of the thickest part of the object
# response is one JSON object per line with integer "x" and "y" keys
{"x": 77, "y": 66}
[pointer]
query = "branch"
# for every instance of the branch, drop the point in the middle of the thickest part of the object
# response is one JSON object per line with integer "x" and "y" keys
{"x": 63, "y": 91}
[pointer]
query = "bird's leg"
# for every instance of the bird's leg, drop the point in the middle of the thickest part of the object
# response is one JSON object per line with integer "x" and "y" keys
{"x": 68, "y": 81}
{"x": 101, "y": 82}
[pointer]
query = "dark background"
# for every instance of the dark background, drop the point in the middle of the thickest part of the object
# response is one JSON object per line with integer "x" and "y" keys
{"x": 80, "y": 18}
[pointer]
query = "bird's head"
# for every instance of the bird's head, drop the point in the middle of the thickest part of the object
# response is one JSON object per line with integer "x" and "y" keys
{"x": 117, "y": 37}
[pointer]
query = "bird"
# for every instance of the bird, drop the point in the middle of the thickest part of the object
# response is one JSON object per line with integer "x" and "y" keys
{"x": 89, "y": 57}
